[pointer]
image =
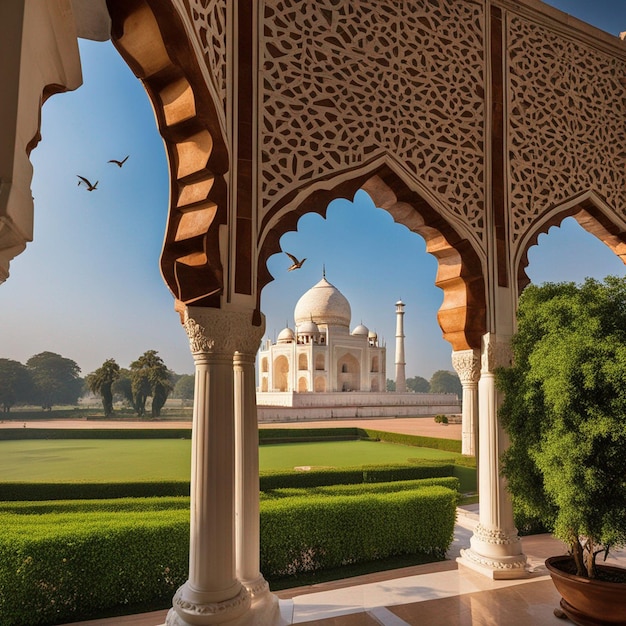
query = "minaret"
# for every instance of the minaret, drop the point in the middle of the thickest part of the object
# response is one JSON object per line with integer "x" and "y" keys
{"x": 400, "y": 362}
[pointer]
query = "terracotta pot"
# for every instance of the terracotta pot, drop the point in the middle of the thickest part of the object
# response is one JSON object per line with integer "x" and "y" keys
{"x": 589, "y": 602}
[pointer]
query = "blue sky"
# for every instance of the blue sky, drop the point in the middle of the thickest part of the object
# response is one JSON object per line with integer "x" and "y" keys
{"x": 89, "y": 287}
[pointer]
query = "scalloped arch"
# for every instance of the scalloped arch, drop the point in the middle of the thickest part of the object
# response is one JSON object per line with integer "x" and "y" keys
{"x": 462, "y": 316}
{"x": 591, "y": 212}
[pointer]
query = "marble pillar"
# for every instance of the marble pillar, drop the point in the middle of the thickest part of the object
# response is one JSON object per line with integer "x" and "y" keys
{"x": 213, "y": 594}
{"x": 467, "y": 365}
{"x": 495, "y": 548}
{"x": 264, "y": 608}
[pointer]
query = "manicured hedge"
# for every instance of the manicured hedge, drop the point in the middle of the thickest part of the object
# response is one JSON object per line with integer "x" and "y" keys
{"x": 288, "y": 435}
{"x": 89, "y": 491}
{"x": 323, "y": 532}
{"x": 59, "y": 568}
{"x": 11, "y": 434}
{"x": 450, "y": 445}
{"x": 353, "y": 475}
{"x": 68, "y": 561}
{"x": 450, "y": 482}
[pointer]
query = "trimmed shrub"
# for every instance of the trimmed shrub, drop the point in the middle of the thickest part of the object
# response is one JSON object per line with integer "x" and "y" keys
{"x": 16, "y": 491}
{"x": 289, "y": 435}
{"x": 59, "y": 568}
{"x": 450, "y": 445}
{"x": 12, "y": 434}
{"x": 353, "y": 475}
{"x": 450, "y": 482}
{"x": 323, "y": 532}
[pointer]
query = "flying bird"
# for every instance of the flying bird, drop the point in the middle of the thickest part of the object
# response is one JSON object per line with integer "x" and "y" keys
{"x": 119, "y": 163}
{"x": 296, "y": 264}
{"x": 89, "y": 186}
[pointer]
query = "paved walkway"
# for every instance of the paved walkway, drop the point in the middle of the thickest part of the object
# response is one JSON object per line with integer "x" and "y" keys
{"x": 425, "y": 426}
{"x": 435, "y": 594}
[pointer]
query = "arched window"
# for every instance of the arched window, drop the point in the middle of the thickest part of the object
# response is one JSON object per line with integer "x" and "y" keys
{"x": 320, "y": 384}
{"x": 265, "y": 364}
{"x": 303, "y": 362}
{"x": 319, "y": 362}
{"x": 302, "y": 385}
{"x": 281, "y": 373}
{"x": 374, "y": 364}
{"x": 344, "y": 368}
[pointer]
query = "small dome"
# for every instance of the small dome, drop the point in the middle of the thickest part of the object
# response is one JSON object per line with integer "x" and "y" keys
{"x": 286, "y": 336}
{"x": 361, "y": 330}
{"x": 308, "y": 328}
{"x": 372, "y": 335}
{"x": 323, "y": 304}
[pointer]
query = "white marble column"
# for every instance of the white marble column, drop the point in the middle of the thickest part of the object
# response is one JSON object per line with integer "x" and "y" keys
{"x": 495, "y": 548}
{"x": 212, "y": 594}
{"x": 264, "y": 607}
{"x": 467, "y": 365}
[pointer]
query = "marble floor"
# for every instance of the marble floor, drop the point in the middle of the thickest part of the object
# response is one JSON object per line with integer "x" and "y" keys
{"x": 435, "y": 594}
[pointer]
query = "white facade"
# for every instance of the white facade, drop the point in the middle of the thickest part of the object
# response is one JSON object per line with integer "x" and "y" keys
{"x": 321, "y": 355}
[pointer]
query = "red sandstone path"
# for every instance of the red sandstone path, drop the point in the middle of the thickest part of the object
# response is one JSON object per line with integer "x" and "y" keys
{"x": 425, "y": 426}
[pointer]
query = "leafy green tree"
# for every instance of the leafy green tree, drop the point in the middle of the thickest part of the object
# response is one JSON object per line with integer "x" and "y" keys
{"x": 564, "y": 410}
{"x": 418, "y": 384}
{"x": 443, "y": 381}
{"x": 56, "y": 379}
{"x": 16, "y": 384}
{"x": 101, "y": 382}
{"x": 184, "y": 387}
{"x": 391, "y": 385}
{"x": 149, "y": 377}
{"x": 123, "y": 388}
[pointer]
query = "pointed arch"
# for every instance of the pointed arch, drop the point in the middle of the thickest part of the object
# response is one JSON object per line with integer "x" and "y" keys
{"x": 462, "y": 316}
{"x": 591, "y": 213}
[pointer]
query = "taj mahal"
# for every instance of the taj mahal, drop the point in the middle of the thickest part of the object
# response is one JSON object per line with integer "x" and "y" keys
{"x": 322, "y": 370}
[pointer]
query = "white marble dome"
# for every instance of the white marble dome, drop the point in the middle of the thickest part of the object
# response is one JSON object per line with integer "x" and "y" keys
{"x": 286, "y": 336}
{"x": 361, "y": 330}
{"x": 308, "y": 328}
{"x": 323, "y": 304}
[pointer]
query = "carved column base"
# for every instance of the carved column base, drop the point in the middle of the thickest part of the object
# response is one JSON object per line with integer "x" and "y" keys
{"x": 495, "y": 554}
{"x": 189, "y": 608}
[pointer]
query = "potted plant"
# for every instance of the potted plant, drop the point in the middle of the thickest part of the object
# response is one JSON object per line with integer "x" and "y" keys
{"x": 564, "y": 411}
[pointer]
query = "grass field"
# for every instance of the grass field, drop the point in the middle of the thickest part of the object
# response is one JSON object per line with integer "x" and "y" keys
{"x": 169, "y": 459}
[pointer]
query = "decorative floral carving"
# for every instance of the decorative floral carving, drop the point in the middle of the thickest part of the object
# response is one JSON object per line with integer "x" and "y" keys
{"x": 344, "y": 81}
{"x": 466, "y": 363}
{"x": 221, "y": 331}
{"x": 566, "y": 122}
{"x": 194, "y": 609}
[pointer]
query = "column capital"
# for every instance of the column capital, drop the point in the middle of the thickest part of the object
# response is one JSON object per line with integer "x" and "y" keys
{"x": 466, "y": 363}
{"x": 496, "y": 352}
{"x": 220, "y": 331}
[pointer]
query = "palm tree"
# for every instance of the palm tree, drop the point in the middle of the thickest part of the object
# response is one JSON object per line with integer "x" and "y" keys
{"x": 150, "y": 377}
{"x": 101, "y": 381}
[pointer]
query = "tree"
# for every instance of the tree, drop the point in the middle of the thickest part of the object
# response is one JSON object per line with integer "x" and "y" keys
{"x": 563, "y": 409}
{"x": 391, "y": 385}
{"x": 123, "y": 388}
{"x": 184, "y": 387}
{"x": 149, "y": 377}
{"x": 101, "y": 382}
{"x": 418, "y": 384}
{"x": 16, "y": 384}
{"x": 443, "y": 381}
{"x": 56, "y": 379}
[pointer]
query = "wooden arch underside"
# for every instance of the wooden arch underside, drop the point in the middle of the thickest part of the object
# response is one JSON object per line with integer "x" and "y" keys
{"x": 151, "y": 38}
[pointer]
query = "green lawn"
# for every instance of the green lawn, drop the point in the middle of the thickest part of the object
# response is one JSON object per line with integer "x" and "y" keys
{"x": 169, "y": 459}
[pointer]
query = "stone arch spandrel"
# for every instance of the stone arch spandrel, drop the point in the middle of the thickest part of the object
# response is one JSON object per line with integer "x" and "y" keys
{"x": 593, "y": 215}
{"x": 155, "y": 40}
{"x": 462, "y": 315}
{"x": 344, "y": 83}
{"x": 568, "y": 136}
